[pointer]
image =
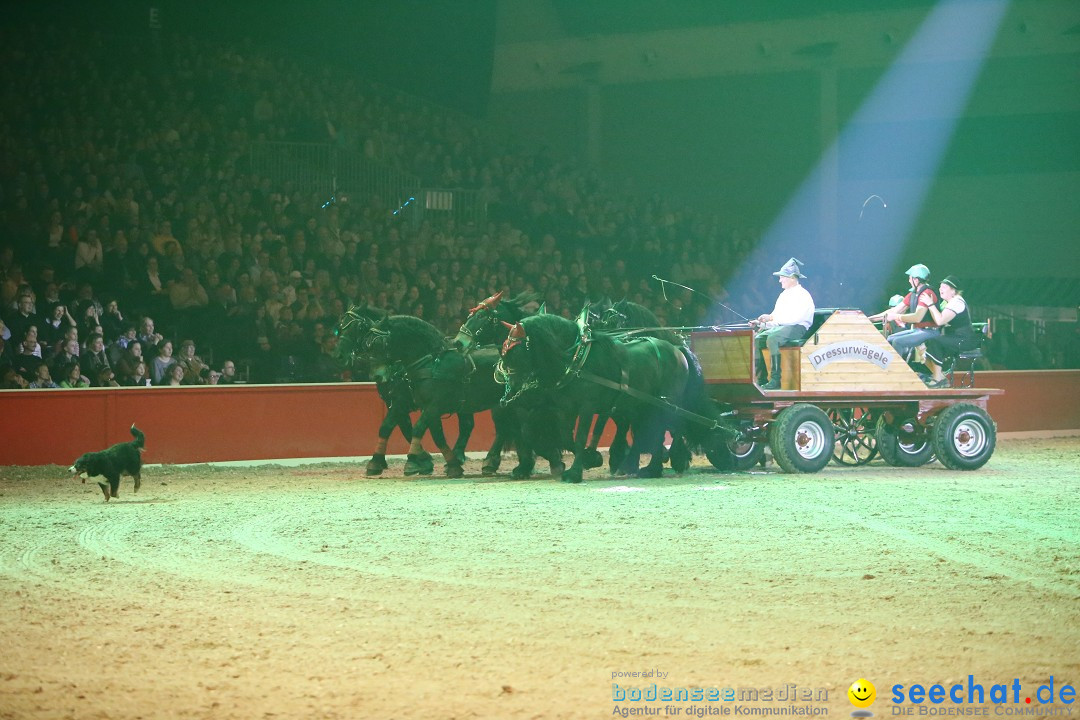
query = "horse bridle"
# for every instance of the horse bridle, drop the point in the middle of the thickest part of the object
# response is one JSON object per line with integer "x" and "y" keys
{"x": 374, "y": 334}
{"x": 612, "y": 314}
{"x": 492, "y": 320}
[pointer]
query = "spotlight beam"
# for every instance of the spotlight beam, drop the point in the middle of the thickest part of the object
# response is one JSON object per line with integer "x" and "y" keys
{"x": 891, "y": 148}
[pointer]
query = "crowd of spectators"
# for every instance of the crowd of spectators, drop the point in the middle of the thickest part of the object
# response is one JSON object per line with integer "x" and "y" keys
{"x": 138, "y": 248}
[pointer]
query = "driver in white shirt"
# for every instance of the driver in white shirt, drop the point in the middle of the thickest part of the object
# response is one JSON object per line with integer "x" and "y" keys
{"x": 787, "y": 323}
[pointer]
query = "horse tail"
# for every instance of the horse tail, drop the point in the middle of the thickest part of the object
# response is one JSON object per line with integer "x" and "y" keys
{"x": 696, "y": 400}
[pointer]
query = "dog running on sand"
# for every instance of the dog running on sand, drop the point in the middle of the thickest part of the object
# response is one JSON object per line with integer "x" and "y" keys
{"x": 121, "y": 459}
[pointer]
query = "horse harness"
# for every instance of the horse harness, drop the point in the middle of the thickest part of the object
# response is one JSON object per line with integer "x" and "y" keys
{"x": 576, "y": 370}
{"x": 424, "y": 369}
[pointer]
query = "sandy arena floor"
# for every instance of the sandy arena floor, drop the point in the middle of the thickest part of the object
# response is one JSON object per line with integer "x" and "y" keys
{"x": 314, "y": 592}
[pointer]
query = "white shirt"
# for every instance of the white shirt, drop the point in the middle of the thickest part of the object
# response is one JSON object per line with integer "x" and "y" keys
{"x": 957, "y": 305}
{"x": 794, "y": 306}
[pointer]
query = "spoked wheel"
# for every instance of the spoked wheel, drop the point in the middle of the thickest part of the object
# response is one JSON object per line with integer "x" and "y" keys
{"x": 856, "y": 443}
{"x": 903, "y": 443}
{"x": 727, "y": 453}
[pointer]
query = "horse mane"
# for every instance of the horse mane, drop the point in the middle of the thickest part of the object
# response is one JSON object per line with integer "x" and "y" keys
{"x": 524, "y": 297}
{"x": 370, "y": 312}
{"x": 410, "y": 337}
{"x": 639, "y": 316}
{"x": 512, "y": 309}
{"x": 550, "y": 337}
{"x": 636, "y": 315}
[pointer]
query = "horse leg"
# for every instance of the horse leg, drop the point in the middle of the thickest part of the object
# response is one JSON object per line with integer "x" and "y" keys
{"x": 574, "y": 473}
{"x": 406, "y": 428}
{"x": 377, "y": 463}
{"x": 592, "y": 455}
{"x": 418, "y": 461}
{"x": 520, "y": 421}
{"x": 430, "y": 419}
{"x": 679, "y": 455}
{"x": 466, "y": 423}
{"x": 624, "y": 455}
{"x": 526, "y": 460}
{"x": 505, "y": 422}
{"x": 652, "y": 440}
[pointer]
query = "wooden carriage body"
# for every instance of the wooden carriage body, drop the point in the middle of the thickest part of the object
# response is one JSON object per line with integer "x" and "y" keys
{"x": 846, "y": 368}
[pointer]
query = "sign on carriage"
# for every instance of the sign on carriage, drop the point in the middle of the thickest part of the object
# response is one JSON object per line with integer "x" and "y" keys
{"x": 851, "y": 350}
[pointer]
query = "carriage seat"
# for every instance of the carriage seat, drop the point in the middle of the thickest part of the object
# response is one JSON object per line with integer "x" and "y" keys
{"x": 820, "y": 316}
{"x": 965, "y": 361}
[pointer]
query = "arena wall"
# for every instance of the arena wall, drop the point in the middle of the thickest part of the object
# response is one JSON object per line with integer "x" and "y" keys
{"x": 258, "y": 422}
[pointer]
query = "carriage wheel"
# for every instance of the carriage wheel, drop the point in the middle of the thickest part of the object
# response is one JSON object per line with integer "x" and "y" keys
{"x": 855, "y": 440}
{"x": 903, "y": 448}
{"x": 963, "y": 437}
{"x": 733, "y": 454}
{"x": 802, "y": 439}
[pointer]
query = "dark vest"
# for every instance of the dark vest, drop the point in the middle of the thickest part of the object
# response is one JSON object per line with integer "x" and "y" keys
{"x": 960, "y": 326}
{"x": 913, "y": 303}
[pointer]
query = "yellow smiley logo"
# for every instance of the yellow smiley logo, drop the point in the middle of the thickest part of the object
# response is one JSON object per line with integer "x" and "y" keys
{"x": 862, "y": 693}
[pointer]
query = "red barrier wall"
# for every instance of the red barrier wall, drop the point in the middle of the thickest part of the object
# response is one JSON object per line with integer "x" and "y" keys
{"x": 257, "y": 422}
{"x": 1034, "y": 399}
{"x": 202, "y": 424}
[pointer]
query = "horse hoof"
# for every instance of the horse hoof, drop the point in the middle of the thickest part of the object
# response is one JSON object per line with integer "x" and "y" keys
{"x": 557, "y": 469}
{"x": 571, "y": 475}
{"x": 487, "y": 470}
{"x": 460, "y": 456}
{"x": 419, "y": 465}
{"x": 680, "y": 464}
{"x": 455, "y": 471}
{"x": 521, "y": 474}
{"x": 591, "y": 459}
{"x": 376, "y": 465}
{"x": 649, "y": 472}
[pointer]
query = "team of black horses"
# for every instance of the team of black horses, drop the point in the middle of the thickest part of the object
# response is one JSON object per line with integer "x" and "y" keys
{"x": 551, "y": 385}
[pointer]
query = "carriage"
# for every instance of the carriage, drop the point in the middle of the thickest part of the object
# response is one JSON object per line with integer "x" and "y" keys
{"x": 846, "y": 395}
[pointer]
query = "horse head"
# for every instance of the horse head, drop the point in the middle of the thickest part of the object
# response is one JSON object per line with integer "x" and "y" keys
{"x": 351, "y": 330}
{"x": 514, "y": 370}
{"x": 357, "y": 331}
{"x": 597, "y": 311}
{"x": 482, "y": 321}
{"x": 515, "y": 337}
{"x": 535, "y": 354}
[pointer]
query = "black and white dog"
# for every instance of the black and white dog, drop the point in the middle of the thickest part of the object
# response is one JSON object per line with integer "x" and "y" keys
{"x": 120, "y": 459}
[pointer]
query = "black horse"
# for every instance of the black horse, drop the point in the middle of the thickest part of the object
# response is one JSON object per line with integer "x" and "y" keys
{"x": 536, "y": 427}
{"x": 487, "y": 323}
{"x": 635, "y": 319}
{"x": 637, "y": 381}
{"x": 443, "y": 381}
{"x": 629, "y": 319}
{"x": 354, "y": 337}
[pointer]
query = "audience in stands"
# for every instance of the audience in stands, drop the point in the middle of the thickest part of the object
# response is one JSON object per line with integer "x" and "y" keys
{"x": 123, "y": 217}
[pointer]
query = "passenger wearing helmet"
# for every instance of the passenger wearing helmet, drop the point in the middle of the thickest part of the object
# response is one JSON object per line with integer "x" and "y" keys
{"x": 913, "y": 312}
{"x": 898, "y": 303}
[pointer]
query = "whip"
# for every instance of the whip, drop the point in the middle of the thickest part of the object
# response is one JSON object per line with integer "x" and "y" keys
{"x": 663, "y": 288}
